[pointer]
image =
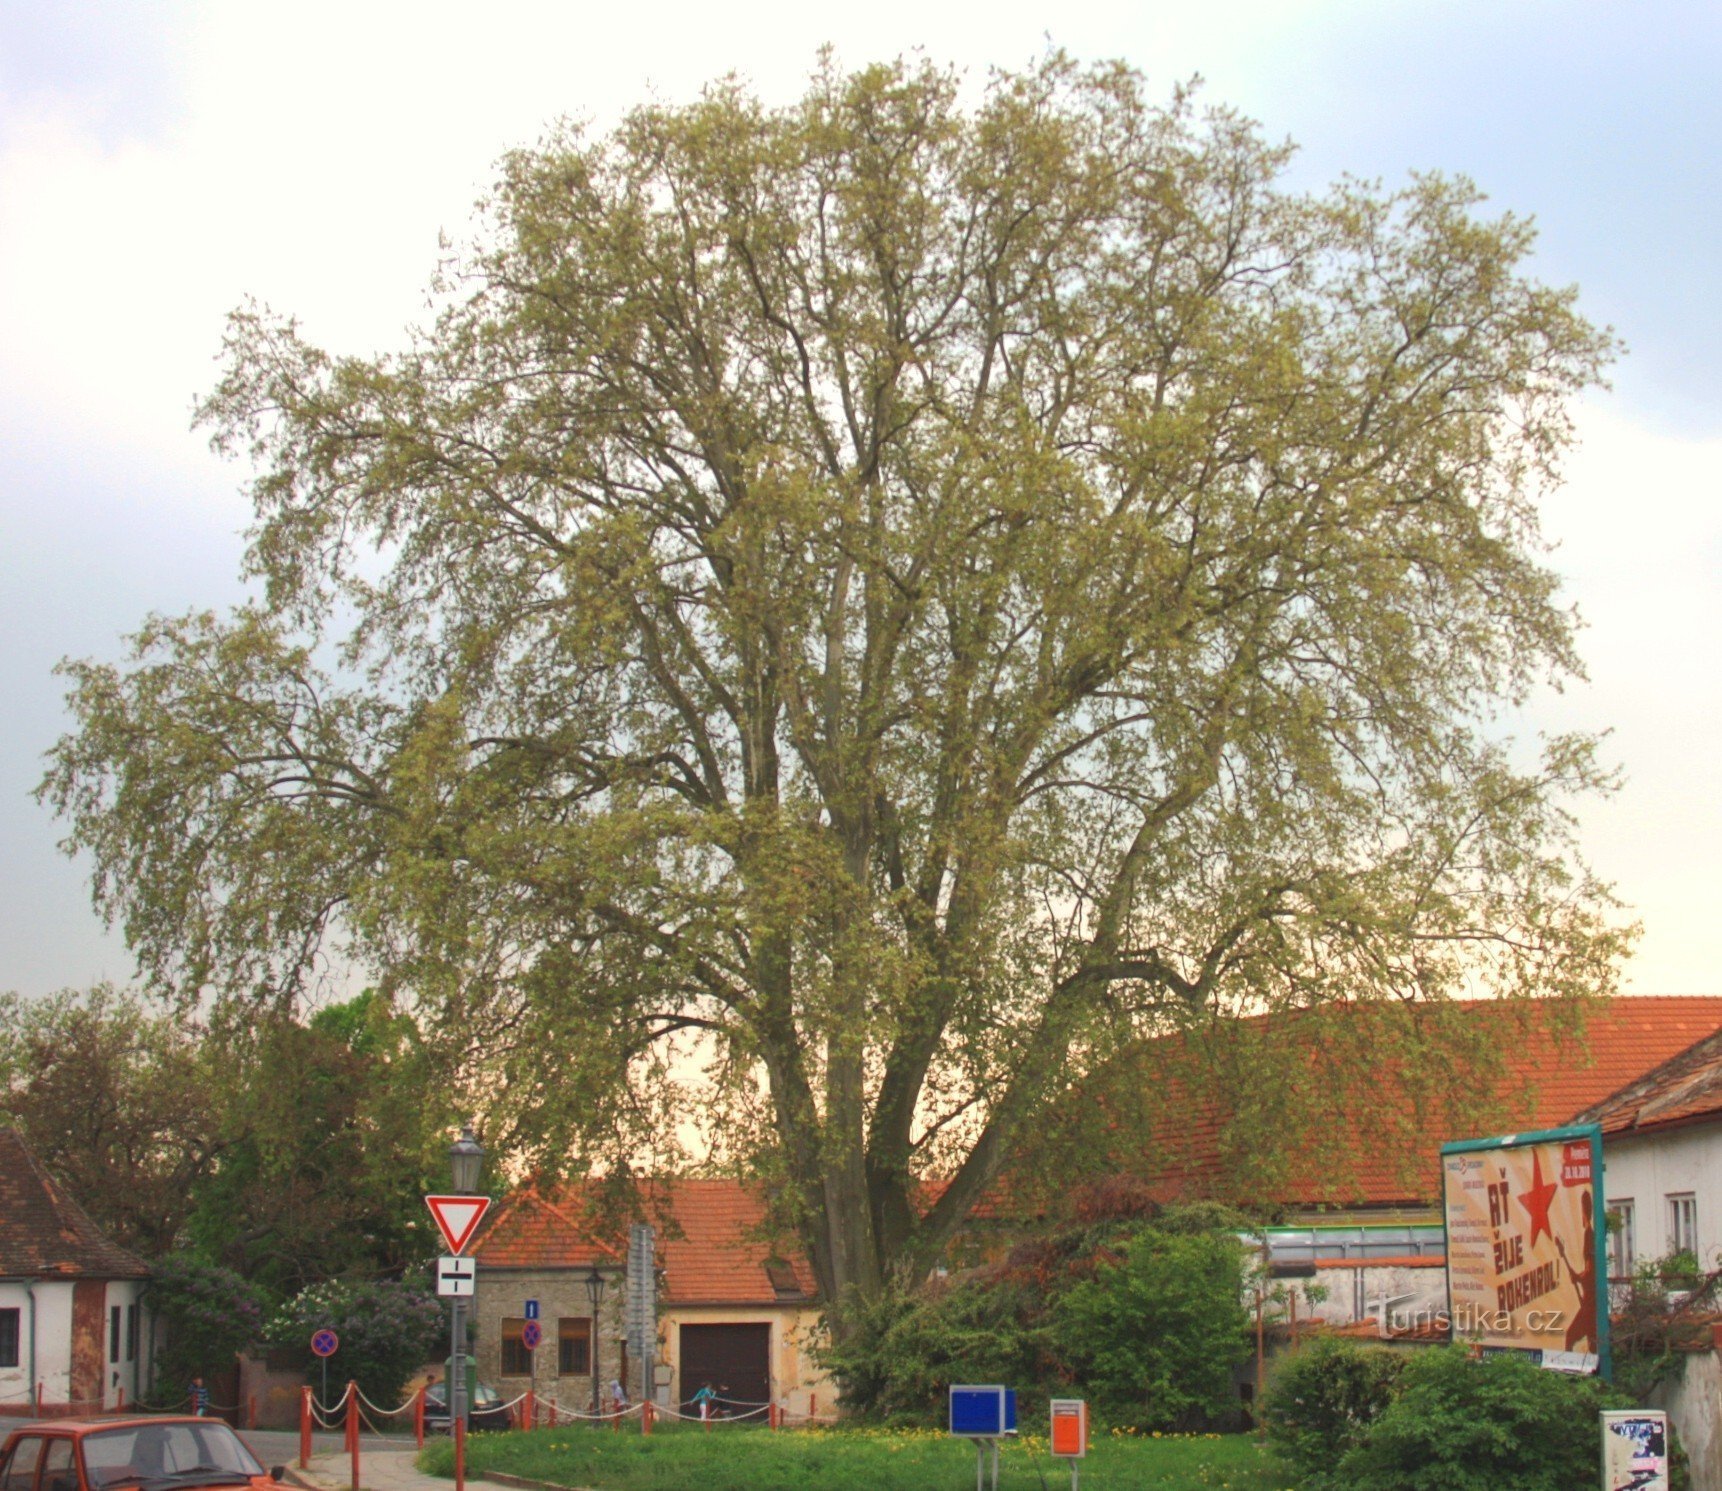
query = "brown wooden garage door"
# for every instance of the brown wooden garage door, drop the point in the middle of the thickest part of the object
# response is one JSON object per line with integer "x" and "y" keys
{"x": 734, "y": 1359}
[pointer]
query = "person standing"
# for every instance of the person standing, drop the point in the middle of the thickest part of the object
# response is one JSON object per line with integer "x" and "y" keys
{"x": 199, "y": 1397}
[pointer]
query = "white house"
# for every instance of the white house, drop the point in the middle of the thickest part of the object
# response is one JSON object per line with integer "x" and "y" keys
{"x": 71, "y": 1316}
{"x": 1662, "y": 1156}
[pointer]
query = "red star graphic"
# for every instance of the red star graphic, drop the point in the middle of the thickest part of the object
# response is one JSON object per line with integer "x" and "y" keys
{"x": 1537, "y": 1200}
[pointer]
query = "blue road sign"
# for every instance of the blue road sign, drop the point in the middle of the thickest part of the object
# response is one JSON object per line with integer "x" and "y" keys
{"x": 325, "y": 1342}
{"x": 983, "y": 1412}
{"x": 532, "y": 1309}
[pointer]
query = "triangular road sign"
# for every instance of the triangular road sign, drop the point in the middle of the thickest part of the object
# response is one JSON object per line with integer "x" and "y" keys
{"x": 457, "y": 1217}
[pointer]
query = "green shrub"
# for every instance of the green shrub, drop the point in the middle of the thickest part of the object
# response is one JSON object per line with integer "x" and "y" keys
{"x": 1155, "y": 1338}
{"x": 901, "y": 1352}
{"x": 1322, "y": 1401}
{"x": 209, "y": 1315}
{"x": 388, "y": 1331}
{"x": 1495, "y": 1424}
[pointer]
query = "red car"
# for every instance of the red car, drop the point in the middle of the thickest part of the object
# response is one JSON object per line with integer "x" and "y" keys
{"x": 152, "y": 1454}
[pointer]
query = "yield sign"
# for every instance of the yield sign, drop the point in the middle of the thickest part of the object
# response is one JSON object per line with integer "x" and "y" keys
{"x": 457, "y": 1217}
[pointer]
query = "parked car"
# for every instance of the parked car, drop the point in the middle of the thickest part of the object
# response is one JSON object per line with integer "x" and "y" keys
{"x": 152, "y": 1454}
{"x": 484, "y": 1411}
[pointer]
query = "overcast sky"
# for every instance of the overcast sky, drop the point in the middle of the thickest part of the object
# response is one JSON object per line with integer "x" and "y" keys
{"x": 160, "y": 161}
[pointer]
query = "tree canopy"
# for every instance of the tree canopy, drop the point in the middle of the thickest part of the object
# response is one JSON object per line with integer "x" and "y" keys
{"x": 902, "y": 591}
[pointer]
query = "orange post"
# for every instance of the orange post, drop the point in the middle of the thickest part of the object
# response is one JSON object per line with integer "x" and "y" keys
{"x": 460, "y": 1454}
{"x": 771, "y": 1415}
{"x": 645, "y": 1415}
{"x": 419, "y": 1416}
{"x": 304, "y": 1428}
{"x": 353, "y": 1429}
{"x": 529, "y": 1410}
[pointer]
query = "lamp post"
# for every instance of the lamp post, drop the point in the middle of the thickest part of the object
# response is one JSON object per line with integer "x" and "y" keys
{"x": 595, "y": 1293}
{"x": 465, "y": 1160}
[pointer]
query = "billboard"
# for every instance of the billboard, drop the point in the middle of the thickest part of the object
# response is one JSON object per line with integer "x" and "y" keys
{"x": 1525, "y": 1245}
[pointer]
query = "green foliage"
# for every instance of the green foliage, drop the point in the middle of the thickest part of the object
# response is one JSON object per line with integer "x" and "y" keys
{"x": 123, "y": 1103}
{"x": 1321, "y": 1402}
{"x": 811, "y": 542}
{"x": 1147, "y": 1321}
{"x": 1154, "y": 1337}
{"x": 332, "y": 1137}
{"x": 1495, "y": 1424}
{"x": 209, "y": 1315}
{"x": 903, "y": 1349}
{"x": 1666, "y": 1314}
{"x": 388, "y": 1331}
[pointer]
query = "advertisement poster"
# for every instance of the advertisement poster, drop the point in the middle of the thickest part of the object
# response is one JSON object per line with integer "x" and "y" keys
{"x": 1525, "y": 1243}
{"x": 1635, "y": 1450}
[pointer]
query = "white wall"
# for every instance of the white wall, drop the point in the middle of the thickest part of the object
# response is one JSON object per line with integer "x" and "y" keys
{"x": 53, "y": 1336}
{"x": 1648, "y": 1169}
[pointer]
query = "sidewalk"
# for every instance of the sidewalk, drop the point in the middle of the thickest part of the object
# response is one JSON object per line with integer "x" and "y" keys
{"x": 379, "y": 1470}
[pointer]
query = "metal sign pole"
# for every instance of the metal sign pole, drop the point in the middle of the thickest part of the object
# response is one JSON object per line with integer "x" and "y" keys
{"x": 457, "y": 1364}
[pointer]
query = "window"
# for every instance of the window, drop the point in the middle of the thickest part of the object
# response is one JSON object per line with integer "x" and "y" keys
{"x": 21, "y": 1470}
{"x": 1683, "y": 1224}
{"x": 516, "y": 1359}
{"x": 9, "y": 1337}
{"x": 573, "y": 1346}
{"x": 114, "y": 1333}
{"x": 131, "y": 1333}
{"x": 59, "y": 1473}
{"x": 1622, "y": 1245}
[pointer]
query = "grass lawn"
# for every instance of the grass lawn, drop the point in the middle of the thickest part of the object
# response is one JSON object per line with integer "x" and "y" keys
{"x": 744, "y": 1458}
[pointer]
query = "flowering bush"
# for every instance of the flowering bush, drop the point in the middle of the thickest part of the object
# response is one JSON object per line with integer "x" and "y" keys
{"x": 388, "y": 1330}
{"x": 209, "y": 1315}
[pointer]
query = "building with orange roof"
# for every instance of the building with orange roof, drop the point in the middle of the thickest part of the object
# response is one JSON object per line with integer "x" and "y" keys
{"x": 1355, "y": 1184}
{"x": 735, "y": 1306}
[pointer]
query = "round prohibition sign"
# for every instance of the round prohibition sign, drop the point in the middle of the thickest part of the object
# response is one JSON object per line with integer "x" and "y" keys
{"x": 531, "y": 1334}
{"x": 324, "y": 1343}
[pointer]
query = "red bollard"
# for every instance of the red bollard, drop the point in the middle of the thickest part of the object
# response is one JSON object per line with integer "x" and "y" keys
{"x": 645, "y": 1415}
{"x": 531, "y": 1409}
{"x": 771, "y": 1416}
{"x": 353, "y": 1429}
{"x": 460, "y": 1454}
{"x": 304, "y": 1428}
{"x": 419, "y": 1416}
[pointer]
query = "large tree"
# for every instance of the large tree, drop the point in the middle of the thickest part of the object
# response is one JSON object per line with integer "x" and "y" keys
{"x": 117, "y": 1100}
{"x": 906, "y": 592}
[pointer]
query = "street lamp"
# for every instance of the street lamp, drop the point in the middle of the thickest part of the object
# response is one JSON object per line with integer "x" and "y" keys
{"x": 465, "y": 1160}
{"x": 595, "y": 1293}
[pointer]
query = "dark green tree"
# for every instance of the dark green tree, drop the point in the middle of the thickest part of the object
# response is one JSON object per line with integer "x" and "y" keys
{"x": 902, "y": 594}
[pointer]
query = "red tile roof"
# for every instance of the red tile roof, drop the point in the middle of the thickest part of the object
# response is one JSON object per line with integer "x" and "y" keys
{"x": 1359, "y": 1137}
{"x": 713, "y": 1243}
{"x": 44, "y": 1233}
{"x": 1685, "y": 1089}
